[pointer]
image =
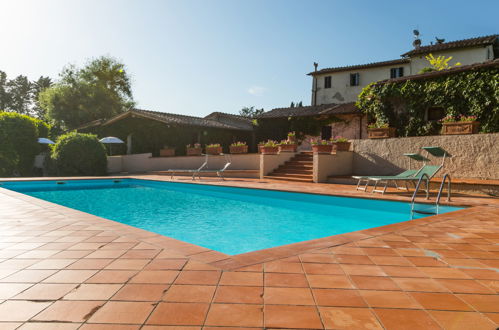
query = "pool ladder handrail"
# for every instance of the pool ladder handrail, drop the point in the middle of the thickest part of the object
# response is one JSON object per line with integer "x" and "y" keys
{"x": 439, "y": 195}
{"x": 417, "y": 189}
{"x": 446, "y": 176}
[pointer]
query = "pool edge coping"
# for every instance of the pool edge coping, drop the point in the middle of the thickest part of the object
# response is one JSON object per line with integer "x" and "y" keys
{"x": 230, "y": 262}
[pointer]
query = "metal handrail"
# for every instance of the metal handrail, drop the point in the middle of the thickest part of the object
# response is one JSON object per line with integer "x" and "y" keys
{"x": 417, "y": 189}
{"x": 446, "y": 176}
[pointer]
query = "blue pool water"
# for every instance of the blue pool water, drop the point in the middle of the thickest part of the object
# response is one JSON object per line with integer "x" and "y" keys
{"x": 226, "y": 219}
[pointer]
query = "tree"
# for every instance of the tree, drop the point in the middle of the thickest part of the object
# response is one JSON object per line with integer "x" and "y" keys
{"x": 438, "y": 63}
{"x": 300, "y": 104}
{"x": 292, "y": 105}
{"x": 250, "y": 112}
{"x": 99, "y": 90}
{"x": 4, "y": 93}
{"x": 39, "y": 86}
{"x": 20, "y": 95}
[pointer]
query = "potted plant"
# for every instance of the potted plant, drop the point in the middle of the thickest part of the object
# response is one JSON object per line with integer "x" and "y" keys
{"x": 194, "y": 150}
{"x": 287, "y": 146}
{"x": 460, "y": 125}
{"x": 214, "y": 149}
{"x": 292, "y": 137}
{"x": 380, "y": 130}
{"x": 340, "y": 143}
{"x": 167, "y": 152}
{"x": 238, "y": 148}
{"x": 270, "y": 148}
{"x": 321, "y": 146}
{"x": 260, "y": 146}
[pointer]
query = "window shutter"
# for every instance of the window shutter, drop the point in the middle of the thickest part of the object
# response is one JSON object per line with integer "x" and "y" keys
{"x": 401, "y": 71}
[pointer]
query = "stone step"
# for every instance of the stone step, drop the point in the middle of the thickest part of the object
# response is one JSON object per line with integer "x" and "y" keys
{"x": 292, "y": 175}
{"x": 287, "y": 179}
{"x": 293, "y": 171}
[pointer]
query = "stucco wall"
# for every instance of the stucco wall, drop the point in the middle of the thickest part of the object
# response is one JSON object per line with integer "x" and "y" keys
{"x": 144, "y": 162}
{"x": 326, "y": 165}
{"x": 342, "y": 92}
{"x": 473, "y": 156}
{"x": 353, "y": 127}
{"x": 464, "y": 56}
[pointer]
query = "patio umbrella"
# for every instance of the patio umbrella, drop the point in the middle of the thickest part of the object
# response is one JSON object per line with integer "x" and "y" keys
{"x": 111, "y": 140}
{"x": 45, "y": 141}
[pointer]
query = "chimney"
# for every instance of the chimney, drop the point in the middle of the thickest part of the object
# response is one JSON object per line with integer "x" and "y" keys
{"x": 315, "y": 66}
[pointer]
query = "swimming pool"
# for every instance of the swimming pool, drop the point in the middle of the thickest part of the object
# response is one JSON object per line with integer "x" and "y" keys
{"x": 226, "y": 219}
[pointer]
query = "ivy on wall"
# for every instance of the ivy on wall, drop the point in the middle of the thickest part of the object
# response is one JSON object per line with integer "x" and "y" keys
{"x": 404, "y": 104}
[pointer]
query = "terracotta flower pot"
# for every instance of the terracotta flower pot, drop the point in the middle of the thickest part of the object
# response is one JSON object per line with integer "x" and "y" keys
{"x": 167, "y": 152}
{"x": 260, "y": 147}
{"x": 213, "y": 150}
{"x": 292, "y": 138}
{"x": 270, "y": 150}
{"x": 238, "y": 149}
{"x": 341, "y": 146}
{"x": 288, "y": 148}
{"x": 194, "y": 151}
{"x": 381, "y": 133}
{"x": 460, "y": 127}
{"x": 322, "y": 148}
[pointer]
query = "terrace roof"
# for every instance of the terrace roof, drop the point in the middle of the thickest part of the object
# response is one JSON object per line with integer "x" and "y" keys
{"x": 313, "y": 110}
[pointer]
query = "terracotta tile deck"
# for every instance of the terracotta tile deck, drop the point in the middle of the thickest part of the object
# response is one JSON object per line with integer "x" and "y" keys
{"x": 65, "y": 269}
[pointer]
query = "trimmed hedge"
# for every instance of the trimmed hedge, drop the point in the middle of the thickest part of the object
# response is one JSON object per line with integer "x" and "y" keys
{"x": 18, "y": 143}
{"x": 79, "y": 154}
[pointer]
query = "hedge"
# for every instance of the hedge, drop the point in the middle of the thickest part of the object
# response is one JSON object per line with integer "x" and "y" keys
{"x": 79, "y": 154}
{"x": 19, "y": 145}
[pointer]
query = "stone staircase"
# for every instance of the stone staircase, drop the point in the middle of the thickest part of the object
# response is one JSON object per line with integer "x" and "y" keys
{"x": 298, "y": 169}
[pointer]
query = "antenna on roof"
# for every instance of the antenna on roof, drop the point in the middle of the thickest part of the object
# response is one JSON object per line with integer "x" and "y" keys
{"x": 417, "y": 41}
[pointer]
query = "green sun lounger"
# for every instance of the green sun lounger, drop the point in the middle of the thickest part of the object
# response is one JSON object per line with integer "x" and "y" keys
{"x": 407, "y": 173}
{"x": 429, "y": 170}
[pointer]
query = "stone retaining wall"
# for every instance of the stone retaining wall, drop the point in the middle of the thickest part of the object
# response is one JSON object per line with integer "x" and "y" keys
{"x": 473, "y": 156}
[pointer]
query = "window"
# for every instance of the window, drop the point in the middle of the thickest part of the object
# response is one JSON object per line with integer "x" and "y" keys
{"x": 435, "y": 113}
{"x": 327, "y": 82}
{"x": 326, "y": 132}
{"x": 354, "y": 79}
{"x": 396, "y": 72}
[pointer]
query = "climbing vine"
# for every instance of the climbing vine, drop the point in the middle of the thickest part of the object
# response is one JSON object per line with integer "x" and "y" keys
{"x": 404, "y": 104}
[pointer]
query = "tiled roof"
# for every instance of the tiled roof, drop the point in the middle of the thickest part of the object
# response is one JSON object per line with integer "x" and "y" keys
{"x": 359, "y": 66}
{"x": 433, "y": 74}
{"x": 231, "y": 119}
{"x": 313, "y": 110}
{"x": 472, "y": 42}
{"x": 176, "y": 119}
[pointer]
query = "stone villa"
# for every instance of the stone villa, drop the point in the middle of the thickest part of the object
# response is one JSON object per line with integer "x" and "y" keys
{"x": 335, "y": 89}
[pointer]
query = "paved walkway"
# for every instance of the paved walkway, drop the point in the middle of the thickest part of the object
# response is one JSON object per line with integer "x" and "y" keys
{"x": 65, "y": 269}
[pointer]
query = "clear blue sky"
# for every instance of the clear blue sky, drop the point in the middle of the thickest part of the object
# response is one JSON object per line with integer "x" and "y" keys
{"x": 198, "y": 56}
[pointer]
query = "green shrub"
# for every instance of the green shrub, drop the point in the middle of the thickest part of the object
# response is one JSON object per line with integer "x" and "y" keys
{"x": 42, "y": 127}
{"x": 79, "y": 154}
{"x": 18, "y": 143}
